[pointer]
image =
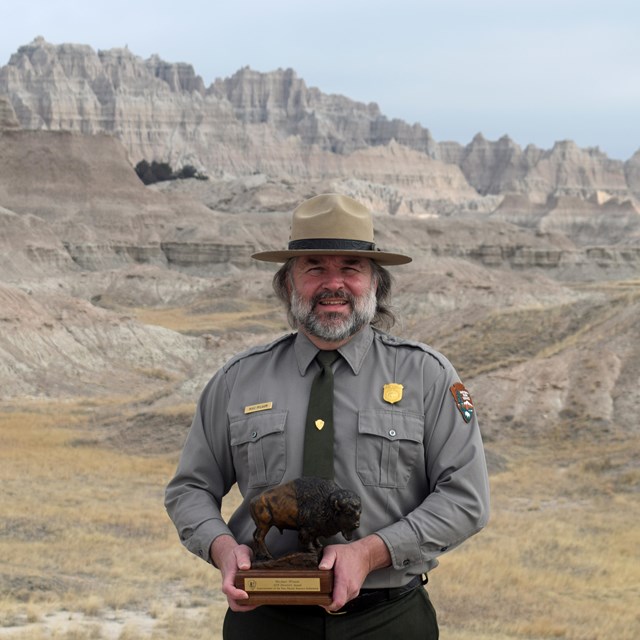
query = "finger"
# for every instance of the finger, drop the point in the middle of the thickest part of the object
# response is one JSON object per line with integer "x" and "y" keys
{"x": 237, "y": 598}
{"x": 336, "y": 603}
{"x": 243, "y": 558}
{"x": 328, "y": 559}
{"x": 339, "y": 595}
{"x": 232, "y": 592}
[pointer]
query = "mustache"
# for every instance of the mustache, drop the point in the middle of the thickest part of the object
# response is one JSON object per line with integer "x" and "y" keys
{"x": 340, "y": 295}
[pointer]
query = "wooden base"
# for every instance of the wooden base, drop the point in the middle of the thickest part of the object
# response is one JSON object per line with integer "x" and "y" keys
{"x": 286, "y": 586}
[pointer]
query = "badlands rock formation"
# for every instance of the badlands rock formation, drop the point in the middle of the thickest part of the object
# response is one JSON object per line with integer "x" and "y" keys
{"x": 93, "y": 261}
{"x": 273, "y": 123}
{"x": 525, "y": 269}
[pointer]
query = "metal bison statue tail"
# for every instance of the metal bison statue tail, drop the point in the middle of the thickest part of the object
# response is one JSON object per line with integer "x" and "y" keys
{"x": 314, "y": 507}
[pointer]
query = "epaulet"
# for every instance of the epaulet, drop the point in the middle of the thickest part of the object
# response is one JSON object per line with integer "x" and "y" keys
{"x": 264, "y": 348}
{"x": 395, "y": 341}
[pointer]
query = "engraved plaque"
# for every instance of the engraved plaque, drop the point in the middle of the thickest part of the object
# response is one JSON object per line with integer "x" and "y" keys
{"x": 286, "y": 586}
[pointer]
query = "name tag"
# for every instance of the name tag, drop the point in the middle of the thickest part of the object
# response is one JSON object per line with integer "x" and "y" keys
{"x": 263, "y": 406}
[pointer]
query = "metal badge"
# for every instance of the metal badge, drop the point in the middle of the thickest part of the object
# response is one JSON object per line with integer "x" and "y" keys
{"x": 392, "y": 392}
{"x": 319, "y": 424}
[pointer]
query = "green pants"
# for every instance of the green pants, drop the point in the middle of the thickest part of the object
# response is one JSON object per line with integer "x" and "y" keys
{"x": 409, "y": 617}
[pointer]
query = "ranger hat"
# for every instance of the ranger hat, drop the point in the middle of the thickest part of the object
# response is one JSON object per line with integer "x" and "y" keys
{"x": 332, "y": 224}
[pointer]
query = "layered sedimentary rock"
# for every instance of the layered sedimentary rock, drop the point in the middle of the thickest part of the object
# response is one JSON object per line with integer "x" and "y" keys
{"x": 163, "y": 111}
{"x": 566, "y": 169}
{"x": 273, "y": 123}
{"x": 91, "y": 260}
{"x": 8, "y": 119}
{"x": 53, "y": 344}
{"x": 260, "y": 136}
{"x": 81, "y": 193}
{"x": 73, "y": 203}
{"x": 331, "y": 122}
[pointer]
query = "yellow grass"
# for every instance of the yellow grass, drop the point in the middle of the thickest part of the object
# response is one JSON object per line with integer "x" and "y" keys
{"x": 198, "y": 322}
{"x": 88, "y": 551}
{"x": 84, "y": 528}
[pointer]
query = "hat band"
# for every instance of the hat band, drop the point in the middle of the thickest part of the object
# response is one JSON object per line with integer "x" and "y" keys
{"x": 331, "y": 244}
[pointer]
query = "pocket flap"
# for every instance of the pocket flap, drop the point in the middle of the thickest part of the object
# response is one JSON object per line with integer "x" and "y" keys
{"x": 392, "y": 425}
{"x": 256, "y": 427}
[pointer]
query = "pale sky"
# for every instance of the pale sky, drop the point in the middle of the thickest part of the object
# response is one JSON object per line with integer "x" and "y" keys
{"x": 538, "y": 71}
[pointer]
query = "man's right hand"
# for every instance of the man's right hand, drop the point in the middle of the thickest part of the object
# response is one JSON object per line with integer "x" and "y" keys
{"x": 229, "y": 557}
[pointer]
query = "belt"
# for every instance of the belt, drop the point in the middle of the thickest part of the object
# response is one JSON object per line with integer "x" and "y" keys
{"x": 368, "y": 598}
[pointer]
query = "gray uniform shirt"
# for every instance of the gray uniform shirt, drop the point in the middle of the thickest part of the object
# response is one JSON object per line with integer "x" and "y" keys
{"x": 418, "y": 463}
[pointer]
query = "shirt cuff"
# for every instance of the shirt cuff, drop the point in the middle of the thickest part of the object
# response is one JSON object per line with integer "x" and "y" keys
{"x": 403, "y": 545}
{"x": 200, "y": 540}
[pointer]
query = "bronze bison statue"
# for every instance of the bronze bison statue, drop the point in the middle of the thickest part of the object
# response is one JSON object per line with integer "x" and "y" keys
{"x": 312, "y": 506}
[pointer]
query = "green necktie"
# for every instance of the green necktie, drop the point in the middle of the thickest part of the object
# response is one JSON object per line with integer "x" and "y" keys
{"x": 318, "y": 439}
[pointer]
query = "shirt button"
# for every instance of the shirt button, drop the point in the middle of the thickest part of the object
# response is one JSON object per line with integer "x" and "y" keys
{"x": 254, "y": 434}
{"x": 392, "y": 433}
{"x": 444, "y": 549}
{"x": 406, "y": 563}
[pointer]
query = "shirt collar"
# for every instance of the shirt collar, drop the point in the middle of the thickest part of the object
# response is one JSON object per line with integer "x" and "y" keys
{"x": 353, "y": 351}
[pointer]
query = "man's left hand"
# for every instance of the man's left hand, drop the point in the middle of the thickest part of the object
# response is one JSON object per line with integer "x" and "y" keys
{"x": 351, "y": 564}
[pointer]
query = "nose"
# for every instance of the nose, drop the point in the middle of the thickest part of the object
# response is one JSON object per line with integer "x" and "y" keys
{"x": 333, "y": 279}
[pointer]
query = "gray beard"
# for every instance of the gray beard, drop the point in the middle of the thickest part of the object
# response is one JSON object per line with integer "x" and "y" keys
{"x": 334, "y": 327}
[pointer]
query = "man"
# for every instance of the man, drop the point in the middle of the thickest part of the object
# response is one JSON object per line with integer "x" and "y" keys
{"x": 406, "y": 439}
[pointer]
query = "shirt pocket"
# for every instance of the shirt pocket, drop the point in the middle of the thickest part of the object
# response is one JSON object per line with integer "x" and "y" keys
{"x": 388, "y": 445}
{"x": 259, "y": 447}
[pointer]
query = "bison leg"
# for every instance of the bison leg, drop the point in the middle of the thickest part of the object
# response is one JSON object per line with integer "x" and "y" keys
{"x": 260, "y": 548}
{"x": 262, "y": 519}
{"x": 308, "y": 542}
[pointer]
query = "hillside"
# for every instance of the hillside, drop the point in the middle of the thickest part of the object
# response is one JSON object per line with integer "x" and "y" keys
{"x": 90, "y": 255}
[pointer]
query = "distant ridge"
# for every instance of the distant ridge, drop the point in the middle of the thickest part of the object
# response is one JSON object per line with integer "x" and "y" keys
{"x": 273, "y": 123}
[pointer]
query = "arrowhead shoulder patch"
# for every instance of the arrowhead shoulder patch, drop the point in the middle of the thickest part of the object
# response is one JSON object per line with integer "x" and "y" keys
{"x": 463, "y": 400}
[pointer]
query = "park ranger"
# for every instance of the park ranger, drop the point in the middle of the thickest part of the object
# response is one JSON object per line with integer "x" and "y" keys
{"x": 402, "y": 433}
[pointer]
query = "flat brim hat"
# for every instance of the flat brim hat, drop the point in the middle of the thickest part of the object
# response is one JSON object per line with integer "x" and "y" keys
{"x": 331, "y": 224}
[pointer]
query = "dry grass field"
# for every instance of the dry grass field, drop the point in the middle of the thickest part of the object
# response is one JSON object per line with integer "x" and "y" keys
{"x": 88, "y": 551}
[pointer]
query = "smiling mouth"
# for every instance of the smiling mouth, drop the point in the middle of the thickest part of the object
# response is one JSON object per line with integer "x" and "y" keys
{"x": 333, "y": 302}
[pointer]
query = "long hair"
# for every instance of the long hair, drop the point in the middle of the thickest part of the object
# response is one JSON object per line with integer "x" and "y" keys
{"x": 383, "y": 318}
